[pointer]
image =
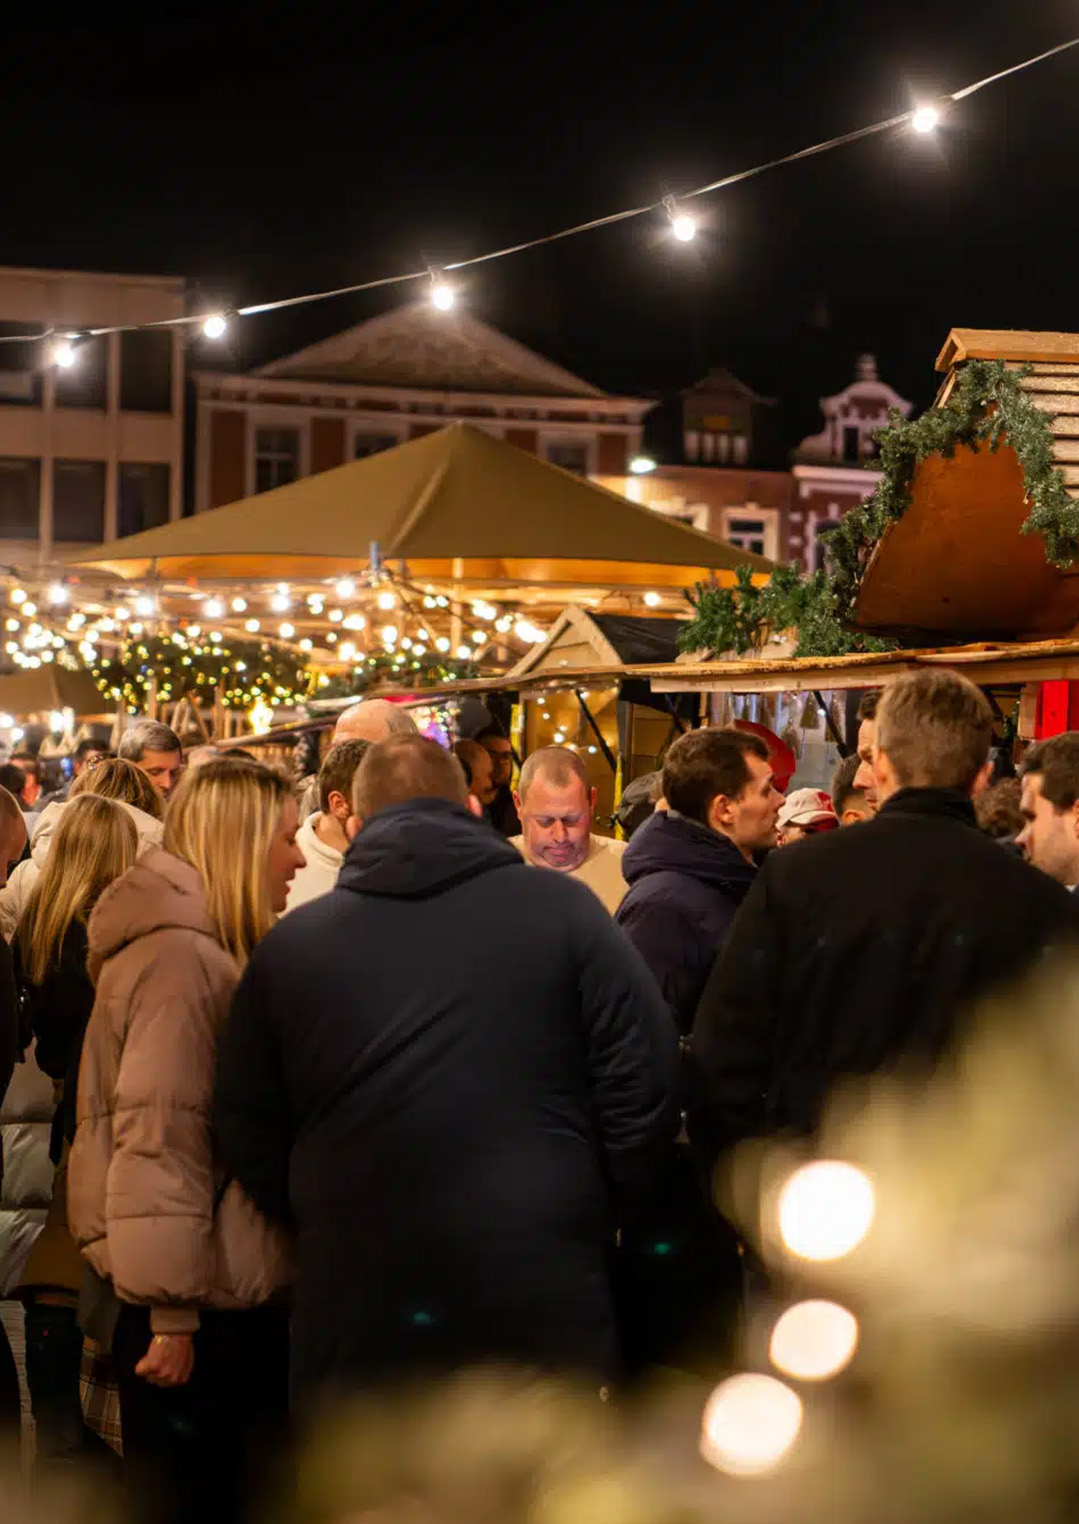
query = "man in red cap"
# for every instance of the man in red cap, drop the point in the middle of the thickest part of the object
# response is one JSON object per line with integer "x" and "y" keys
{"x": 806, "y": 812}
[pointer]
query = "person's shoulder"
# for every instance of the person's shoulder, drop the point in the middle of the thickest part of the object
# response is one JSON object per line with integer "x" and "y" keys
{"x": 606, "y": 844}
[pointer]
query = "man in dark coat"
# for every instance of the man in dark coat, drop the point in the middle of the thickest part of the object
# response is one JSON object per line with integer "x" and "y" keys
{"x": 861, "y": 949}
{"x": 690, "y": 866}
{"x": 455, "y": 1141}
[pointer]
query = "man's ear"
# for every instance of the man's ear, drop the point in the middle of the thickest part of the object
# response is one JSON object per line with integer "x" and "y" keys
{"x": 339, "y": 806}
{"x": 517, "y": 801}
{"x": 353, "y": 827}
{"x": 592, "y": 797}
{"x": 981, "y": 782}
{"x": 475, "y": 806}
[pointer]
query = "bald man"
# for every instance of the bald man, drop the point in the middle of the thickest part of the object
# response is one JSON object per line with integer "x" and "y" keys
{"x": 556, "y": 803}
{"x": 371, "y": 720}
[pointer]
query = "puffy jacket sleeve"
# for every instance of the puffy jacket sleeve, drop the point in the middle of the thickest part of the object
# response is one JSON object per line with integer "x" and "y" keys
{"x": 14, "y": 895}
{"x": 251, "y": 1104}
{"x": 732, "y": 1035}
{"x": 159, "y": 1192}
{"x": 632, "y": 1051}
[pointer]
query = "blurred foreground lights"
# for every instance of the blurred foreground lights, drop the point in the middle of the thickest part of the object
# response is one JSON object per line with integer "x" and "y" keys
{"x": 925, "y": 119}
{"x": 814, "y": 1340}
{"x": 652, "y": 600}
{"x": 58, "y": 594}
{"x": 213, "y": 608}
{"x": 346, "y": 588}
{"x": 642, "y": 465}
{"x": 826, "y": 1209}
{"x": 387, "y": 600}
{"x": 251, "y": 626}
{"x": 463, "y": 653}
{"x": 286, "y": 631}
{"x": 527, "y": 632}
{"x": 17, "y": 595}
{"x": 749, "y": 1424}
{"x": 280, "y": 603}
{"x": 239, "y": 605}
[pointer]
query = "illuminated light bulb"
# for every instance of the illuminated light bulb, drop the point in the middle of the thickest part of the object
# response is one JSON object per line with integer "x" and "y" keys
{"x": 443, "y": 296}
{"x": 261, "y": 717}
{"x": 18, "y": 733}
{"x": 419, "y": 650}
{"x": 213, "y": 608}
{"x": 215, "y": 326}
{"x": 56, "y": 722}
{"x": 335, "y": 616}
{"x": 593, "y": 750}
{"x": 406, "y": 643}
{"x": 683, "y": 226}
{"x": 355, "y": 622}
{"x": 239, "y": 605}
{"x": 251, "y": 626}
{"x": 814, "y": 1340}
{"x": 463, "y": 653}
{"x": 422, "y": 635}
{"x": 652, "y": 600}
{"x": 122, "y": 613}
{"x": 12, "y": 647}
{"x": 925, "y": 119}
{"x": 306, "y": 644}
{"x": 144, "y": 606}
{"x": 527, "y": 632}
{"x": 331, "y": 638}
{"x": 29, "y": 609}
{"x": 11, "y": 624}
{"x": 194, "y": 630}
{"x": 135, "y": 629}
{"x": 504, "y": 625}
{"x": 76, "y": 621}
{"x": 428, "y": 602}
{"x": 388, "y": 634}
{"x": 826, "y": 1209}
{"x": 63, "y": 353}
{"x": 280, "y": 603}
{"x": 442, "y": 644}
{"x": 18, "y": 595}
{"x": 215, "y": 636}
{"x": 347, "y": 650}
{"x": 642, "y": 465}
{"x": 286, "y": 631}
{"x": 6, "y": 721}
{"x": 346, "y": 588}
{"x": 749, "y": 1424}
{"x": 58, "y": 594}
{"x": 387, "y": 600}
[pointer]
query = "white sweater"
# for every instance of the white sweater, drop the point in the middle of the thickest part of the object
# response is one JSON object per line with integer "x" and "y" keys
{"x": 319, "y": 875}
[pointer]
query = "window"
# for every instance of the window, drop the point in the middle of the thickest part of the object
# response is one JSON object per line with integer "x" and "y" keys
{"x": 146, "y": 371}
{"x": 371, "y": 442}
{"x": 144, "y": 497}
{"x": 277, "y": 458}
{"x": 821, "y": 532}
{"x": 85, "y": 384}
{"x": 20, "y": 496}
{"x": 741, "y": 449}
{"x": 78, "y": 501}
{"x": 747, "y": 534}
{"x": 21, "y": 365}
{"x": 852, "y": 443}
{"x": 571, "y": 455}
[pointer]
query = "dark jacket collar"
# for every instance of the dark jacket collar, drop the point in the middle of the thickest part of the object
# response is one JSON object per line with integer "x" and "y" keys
{"x": 943, "y": 803}
{"x": 672, "y": 843}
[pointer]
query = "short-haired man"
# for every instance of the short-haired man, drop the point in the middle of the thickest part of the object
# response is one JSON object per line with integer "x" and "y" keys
{"x": 864, "y": 776}
{"x": 862, "y": 948}
{"x": 323, "y": 837}
{"x": 478, "y": 770}
{"x": 1050, "y": 807}
{"x": 157, "y": 751}
{"x": 370, "y": 720}
{"x": 452, "y": 1138}
{"x": 556, "y": 803}
{"x": 503, "y": 811}
{"x": 87, "y": 753}
{"x": 850, "y": 803}
{"x": 690, "y": 866}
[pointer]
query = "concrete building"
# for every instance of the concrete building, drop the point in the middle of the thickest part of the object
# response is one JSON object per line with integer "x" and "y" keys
{"x": 94, "y": 450}
{"x": 398, "y": 376}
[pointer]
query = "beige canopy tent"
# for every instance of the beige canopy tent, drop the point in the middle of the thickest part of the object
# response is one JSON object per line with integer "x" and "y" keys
{"x": 48, "y": 688}
{"x": 456, "y": 503}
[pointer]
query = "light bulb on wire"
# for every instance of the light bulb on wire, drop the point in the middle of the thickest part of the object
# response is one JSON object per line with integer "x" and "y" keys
{"x": 346, "y": 588}
{"x": 215, "y": 326}
{"x": 925, "y": 119}
{"x": 64, "y": 351}
{"x": 58, "y": 594}
{"x": 683, "y": 226}
{"x": 443, "y": 295}
{"x": 213, "y": 608}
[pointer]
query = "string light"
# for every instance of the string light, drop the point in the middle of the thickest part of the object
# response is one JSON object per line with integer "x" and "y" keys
{"x": 642, "y": 465}
{"x": 213, "y": 608}
{"x": 347, "y": 650}
{"x": 925, "y": 119}
{"x": 280, "y": 603}
{"x": 29, "y": 609}
{"x": 239, "y": 605}
{"x": 683, "y": 226}
{"x": 251, "y": 626}
{"x": 442, "y": 644}
{"x": 64, "y": 352}
{"x": 144, "y": 606}
{"x": 355, "y": 622}
{"x": 464, "y": 652}
{"x": 443, "y": 295}
{"x": 215, "y": 326}
{"x": 58, "y": 594}
{"x": 652, "y": 600}
{"x": 388, "y": 634}
{"x": 387, "y": 600}
{"x": 749, "y": 1423}
{"x": 17, "y": 595}
{"x": 345, "y": 589}
{"x": 335, "y": 616}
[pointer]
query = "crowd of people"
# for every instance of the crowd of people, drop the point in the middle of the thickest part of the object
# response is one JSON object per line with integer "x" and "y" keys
{"x": 404, "y": 1069}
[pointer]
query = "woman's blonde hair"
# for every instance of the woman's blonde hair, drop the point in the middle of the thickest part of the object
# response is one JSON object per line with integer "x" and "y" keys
{"x": 95, "y": 842}
{"x": 222, "y": 819}
{"x": 113, "y": 778}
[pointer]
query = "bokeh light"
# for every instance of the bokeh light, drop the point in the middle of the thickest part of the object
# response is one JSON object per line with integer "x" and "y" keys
{"x": 826, "y": 1209}
{"x": 749, "y": 1423}
{"x": 814, "y": 1340}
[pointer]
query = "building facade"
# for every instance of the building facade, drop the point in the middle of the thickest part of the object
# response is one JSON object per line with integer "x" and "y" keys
{"x": 391, "y": 379}
{"x": 95, "y": 450}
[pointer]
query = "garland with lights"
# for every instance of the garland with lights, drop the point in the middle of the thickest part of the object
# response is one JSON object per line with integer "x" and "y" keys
{"x": 245, "y": 672}
{"x": 988, "y": 405}
{"x": 398, "y": 668}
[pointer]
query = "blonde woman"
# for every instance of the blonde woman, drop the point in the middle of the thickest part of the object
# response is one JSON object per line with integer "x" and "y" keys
{"x": 200, "y": 1346}
{"x": 95, "y": 843}
{"x": 112, "y": 778}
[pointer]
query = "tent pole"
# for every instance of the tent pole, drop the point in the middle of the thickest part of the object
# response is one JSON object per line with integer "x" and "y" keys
{"x": 608, "y": 754}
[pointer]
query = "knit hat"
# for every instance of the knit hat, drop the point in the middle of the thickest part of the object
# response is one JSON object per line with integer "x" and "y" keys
{"x": 807, "y": 807}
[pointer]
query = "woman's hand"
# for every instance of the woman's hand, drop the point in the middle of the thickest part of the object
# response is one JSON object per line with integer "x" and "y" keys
{"x": 169, "y": 1361}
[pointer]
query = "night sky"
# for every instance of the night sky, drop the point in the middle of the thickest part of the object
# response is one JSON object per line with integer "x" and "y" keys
{"x": 296, "y": 146}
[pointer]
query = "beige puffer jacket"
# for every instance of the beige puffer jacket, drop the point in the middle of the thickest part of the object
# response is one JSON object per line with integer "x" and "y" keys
{"x": 16, "y": 892}
{"x": 148, "y": 1202}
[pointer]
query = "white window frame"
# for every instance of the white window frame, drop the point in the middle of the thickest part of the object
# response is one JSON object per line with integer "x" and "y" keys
{"x": 768, "y": 519}
{"x": 390, "y": 426}
{"x": 268, "y": 417}
{"x": 549, "y": 437}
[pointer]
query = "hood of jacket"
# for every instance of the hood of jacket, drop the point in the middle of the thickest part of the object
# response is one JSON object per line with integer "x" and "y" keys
{"x": 421, "y": 848}
{"x": 160, "y": 892}
{"x": 312, "y": 845}
{"x": 149, "y": 830}
{"x": 672, "y": 843}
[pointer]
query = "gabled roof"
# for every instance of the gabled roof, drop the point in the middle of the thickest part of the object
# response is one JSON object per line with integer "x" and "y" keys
{"x": 419, "y": 347}
{"x": 719, "y": 380}
{"x": 1007, "y": 344}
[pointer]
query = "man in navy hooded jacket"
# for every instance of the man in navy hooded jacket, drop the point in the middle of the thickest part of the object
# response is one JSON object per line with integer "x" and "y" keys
{"x": 690, "y": 866}
{"x": 455, "y": 1138}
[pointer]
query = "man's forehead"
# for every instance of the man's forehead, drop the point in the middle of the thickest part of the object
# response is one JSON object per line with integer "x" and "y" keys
{"x": 551, "y": 796}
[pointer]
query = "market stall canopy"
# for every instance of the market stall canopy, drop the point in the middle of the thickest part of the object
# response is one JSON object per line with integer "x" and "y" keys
{"x": 454, "y": 496}
{"x": 582, "y": 639}
{"x": 48, "y": 688}
{"x": 956, "y": 563}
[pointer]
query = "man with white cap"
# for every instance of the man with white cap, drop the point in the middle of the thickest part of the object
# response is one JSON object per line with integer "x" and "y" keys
{"x": 806, "y": 812}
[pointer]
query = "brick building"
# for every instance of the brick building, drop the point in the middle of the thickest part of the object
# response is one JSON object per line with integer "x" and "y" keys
{"x": 398, "y": 376}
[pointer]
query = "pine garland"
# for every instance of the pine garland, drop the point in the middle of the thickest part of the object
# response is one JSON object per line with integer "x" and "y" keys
{"x": 987, "y": 404}
{"x": 247, "y": 672}
{"x": 400, "y": 668}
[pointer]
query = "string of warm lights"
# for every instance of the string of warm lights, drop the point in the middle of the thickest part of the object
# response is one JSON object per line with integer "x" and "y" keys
{"x": 923, "y": 119}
